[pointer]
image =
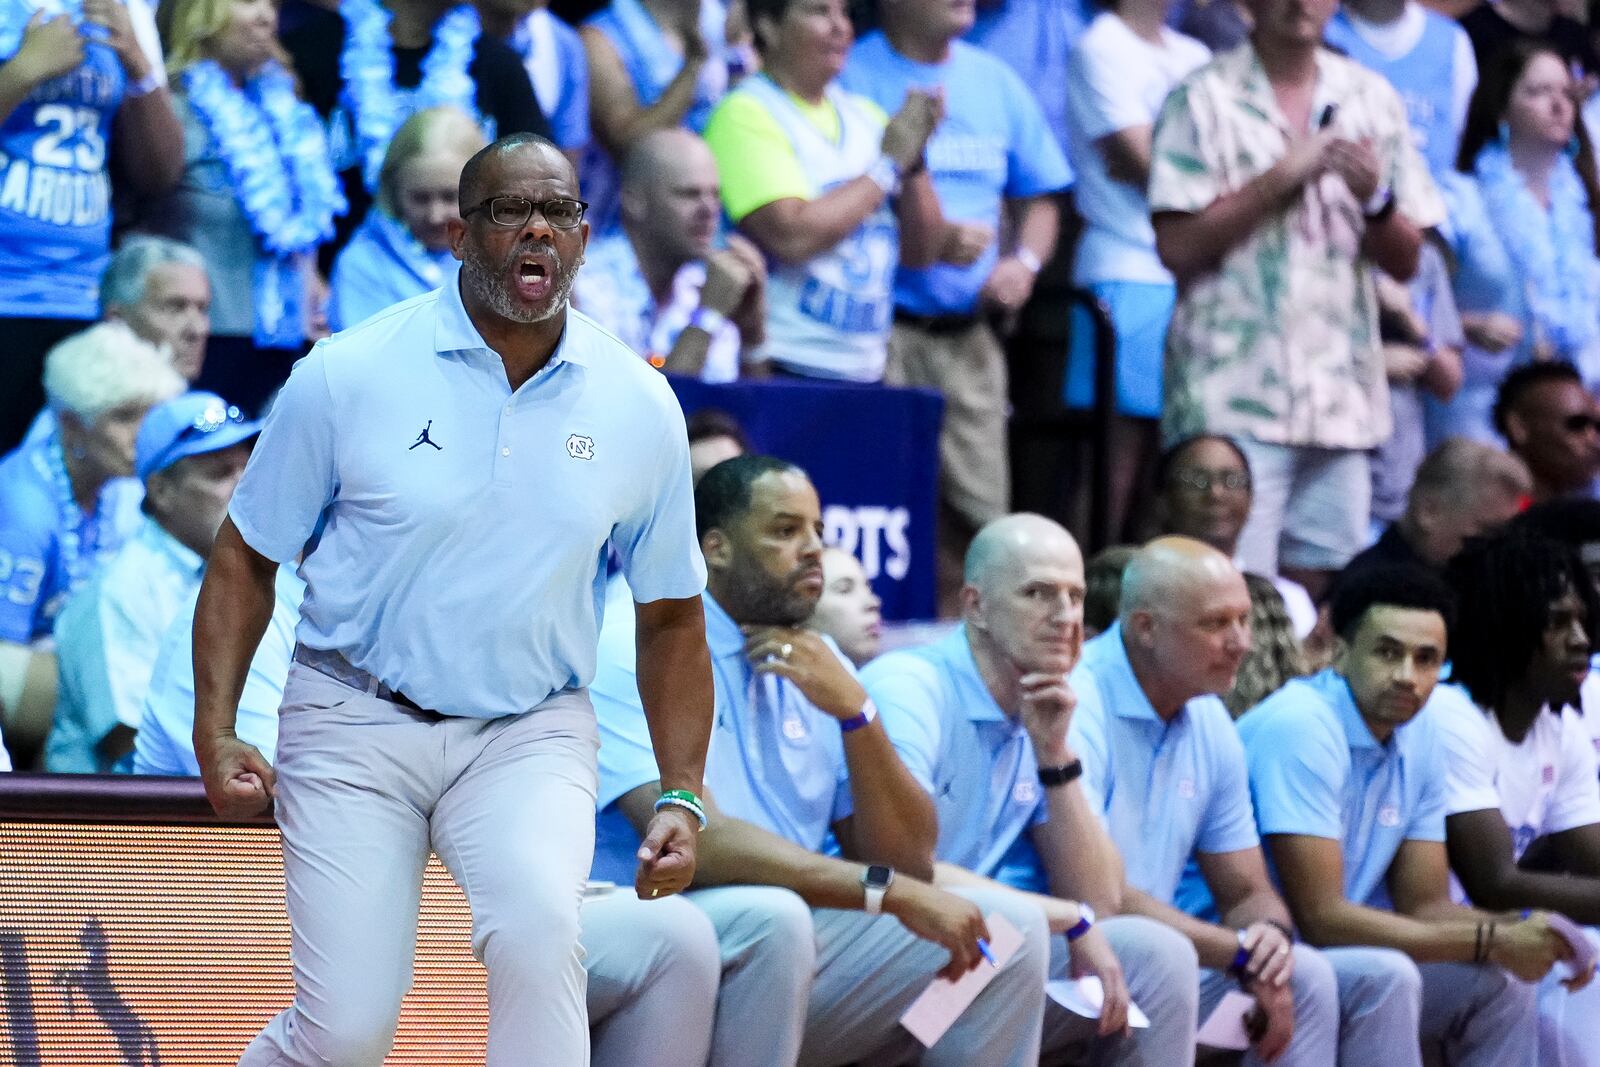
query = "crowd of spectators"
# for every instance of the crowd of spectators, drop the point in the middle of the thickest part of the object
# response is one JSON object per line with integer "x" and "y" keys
{"x": 1351, "y": 262}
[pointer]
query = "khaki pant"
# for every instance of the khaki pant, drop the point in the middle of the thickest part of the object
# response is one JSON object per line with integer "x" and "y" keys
{"x": 366, "y": 789}
{"x": 967, "y": 367}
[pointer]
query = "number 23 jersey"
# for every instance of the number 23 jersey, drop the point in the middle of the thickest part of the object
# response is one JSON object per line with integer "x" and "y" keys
{"x": 55, "y": 193}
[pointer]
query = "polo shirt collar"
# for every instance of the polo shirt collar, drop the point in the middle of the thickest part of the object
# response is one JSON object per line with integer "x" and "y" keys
{"x": 979, "y": 703}
{"x": 1337, "y": 692}
{"x": 723, "y": 636}
{"x": 453, "y": 330}
{"x": 1127, "y": 695}
{"x": 183, "y": 559}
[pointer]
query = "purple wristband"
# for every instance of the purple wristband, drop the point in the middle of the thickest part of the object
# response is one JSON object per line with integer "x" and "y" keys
{"x": 868, "y": 712}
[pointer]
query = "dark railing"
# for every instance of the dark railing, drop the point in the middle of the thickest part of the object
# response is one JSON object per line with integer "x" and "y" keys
{"x": 1048, "y": 439}
{"x": 109, "y": 798}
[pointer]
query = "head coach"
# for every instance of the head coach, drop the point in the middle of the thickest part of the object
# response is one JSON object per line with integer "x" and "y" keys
{"x": 456, "y": 470}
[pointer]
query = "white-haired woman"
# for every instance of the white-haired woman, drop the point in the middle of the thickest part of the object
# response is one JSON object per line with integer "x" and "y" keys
{"x": 67, "y": 502}
{"x": 402, "y": 249}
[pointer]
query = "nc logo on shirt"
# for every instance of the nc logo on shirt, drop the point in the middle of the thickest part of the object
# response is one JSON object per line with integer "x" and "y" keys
{"x": 1024, "y": 792}
{"x": 1389, "y": 815}
{"x": 1185, "y": 788}
{"x": 579, "y": 447}
{"x": 794, "y": 729}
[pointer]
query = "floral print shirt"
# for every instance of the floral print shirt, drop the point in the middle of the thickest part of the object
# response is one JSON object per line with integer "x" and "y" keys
{"x": 1280, "y": 342}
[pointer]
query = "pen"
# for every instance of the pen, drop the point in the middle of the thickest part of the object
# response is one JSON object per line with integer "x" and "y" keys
{"x": 983, "y": 947}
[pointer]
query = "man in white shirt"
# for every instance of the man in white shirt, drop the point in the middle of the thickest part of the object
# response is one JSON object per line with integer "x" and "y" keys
{"x": 1577, "y": 523}
{"x": 189, "y": 453}
{"x": 1520, "y": 764}
{"x": 1122, "y": 69}
{"x": 659, "y": 283}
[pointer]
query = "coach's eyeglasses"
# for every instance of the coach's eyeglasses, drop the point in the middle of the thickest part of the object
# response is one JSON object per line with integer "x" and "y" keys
{"x": 562, "y": 213}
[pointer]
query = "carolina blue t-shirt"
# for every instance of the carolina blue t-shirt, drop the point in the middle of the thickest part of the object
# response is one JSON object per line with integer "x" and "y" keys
{"x": 1316, "y": 770}
{"x": 1035, "y": 38}
{"x": 55, "y": 193}
{"x": 993, "y": 144}
{"x": 34, "y": 576}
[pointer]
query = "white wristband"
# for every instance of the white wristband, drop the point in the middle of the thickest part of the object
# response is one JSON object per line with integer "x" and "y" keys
{"x": 885, "y": 172}
{"x": 143, "y": 87}
{"x": 708, "y": 319}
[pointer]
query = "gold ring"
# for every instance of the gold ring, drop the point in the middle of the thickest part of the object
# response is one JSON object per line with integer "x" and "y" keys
{"x": 654, "y": 892}
{"x": 785, "y": 651}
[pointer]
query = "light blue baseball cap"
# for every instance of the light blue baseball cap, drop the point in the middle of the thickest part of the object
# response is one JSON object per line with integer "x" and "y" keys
{"x": 188, "y": 425}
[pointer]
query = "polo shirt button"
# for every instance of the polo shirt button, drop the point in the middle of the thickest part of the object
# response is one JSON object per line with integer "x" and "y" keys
{"x": 509, "y": 409}
{"x": 505, "y": 451}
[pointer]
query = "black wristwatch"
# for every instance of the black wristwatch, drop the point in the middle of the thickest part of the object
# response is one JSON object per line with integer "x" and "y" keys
{"x": 1379, "y": 215}
{"x": 875, "y": 883}
{"x": 1054, "y": 776}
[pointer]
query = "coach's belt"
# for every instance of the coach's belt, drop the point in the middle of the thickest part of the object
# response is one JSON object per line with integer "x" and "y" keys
{"x": 335, "y": 666}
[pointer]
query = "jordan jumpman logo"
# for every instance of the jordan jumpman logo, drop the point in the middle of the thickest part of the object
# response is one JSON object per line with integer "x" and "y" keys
{"x": 424, "y": 439}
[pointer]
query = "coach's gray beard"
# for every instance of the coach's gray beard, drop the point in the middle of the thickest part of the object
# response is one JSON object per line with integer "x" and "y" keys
{"x": 485, "y": 282}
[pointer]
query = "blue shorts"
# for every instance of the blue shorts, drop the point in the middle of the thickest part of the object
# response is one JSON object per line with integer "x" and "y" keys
{"x": 1141, "y": 312}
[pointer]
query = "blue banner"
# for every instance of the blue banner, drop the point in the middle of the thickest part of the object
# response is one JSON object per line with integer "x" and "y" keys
{"x": 873, "y": 454}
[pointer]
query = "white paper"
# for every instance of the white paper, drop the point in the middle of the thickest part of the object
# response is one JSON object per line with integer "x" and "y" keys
{"x": 593, "y": 889}
{"x": 1584, "y": 951}
{"x": 942, "y": 1003}
{"x": 1225, "y": 1029}
{"x": 1086, "y": 996}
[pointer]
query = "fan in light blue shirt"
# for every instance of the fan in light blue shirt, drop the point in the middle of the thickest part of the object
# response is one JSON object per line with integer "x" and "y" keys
{"x": 993, "y": 150}
{"x": 1035, "y": 38}
{"x": 189, "y": 454}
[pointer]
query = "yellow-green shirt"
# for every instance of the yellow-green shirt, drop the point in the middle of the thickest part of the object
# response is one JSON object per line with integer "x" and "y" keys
{"x": 755, "y": 161}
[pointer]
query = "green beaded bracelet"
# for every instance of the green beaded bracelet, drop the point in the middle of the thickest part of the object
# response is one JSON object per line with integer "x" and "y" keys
{"x": 683, "y": 798}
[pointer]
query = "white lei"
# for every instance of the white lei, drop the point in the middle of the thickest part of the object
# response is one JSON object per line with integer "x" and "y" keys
{"x": 377, "y": 107}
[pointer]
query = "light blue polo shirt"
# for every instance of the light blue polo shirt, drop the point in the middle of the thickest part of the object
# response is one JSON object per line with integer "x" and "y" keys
{"x": 775, "y": 759}
{"x": 107, "y": 638}
{"x": 1316, "y": 769}
{"x": 974, "y": 760}
{"x": 165, "y": 743}
{"x": 467, "y": 526}
{"x": 1168, "y": 789}
{"x": 994, "y": 144}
